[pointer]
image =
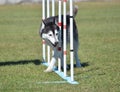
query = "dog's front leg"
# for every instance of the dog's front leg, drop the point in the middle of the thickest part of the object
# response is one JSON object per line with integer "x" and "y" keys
{"x": 52, "y": 62}
{"x": 51, "y": 65}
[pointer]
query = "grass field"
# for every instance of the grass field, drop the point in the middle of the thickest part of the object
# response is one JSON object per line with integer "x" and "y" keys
{"x": 21, "y": 50}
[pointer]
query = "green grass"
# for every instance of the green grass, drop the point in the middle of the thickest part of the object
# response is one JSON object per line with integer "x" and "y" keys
{"x": 21, "y": 50}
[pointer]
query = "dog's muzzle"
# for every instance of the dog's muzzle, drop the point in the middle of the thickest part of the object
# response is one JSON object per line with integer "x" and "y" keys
{"x": 54, "y": 45}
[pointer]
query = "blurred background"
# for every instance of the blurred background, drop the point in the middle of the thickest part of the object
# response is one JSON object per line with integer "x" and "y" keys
{"x": 2, "y": 2}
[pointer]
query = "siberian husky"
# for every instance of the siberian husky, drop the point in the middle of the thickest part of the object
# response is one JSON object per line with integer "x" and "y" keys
{"x": 53, "y": 37}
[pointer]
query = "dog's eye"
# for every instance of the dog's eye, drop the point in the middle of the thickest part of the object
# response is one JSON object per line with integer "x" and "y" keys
{"x": 56, "y": 34}
{"x": 50, "y": 34}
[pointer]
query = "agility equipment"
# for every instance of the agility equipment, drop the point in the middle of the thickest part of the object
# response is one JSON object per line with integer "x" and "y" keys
{"x": 45, "y": 14}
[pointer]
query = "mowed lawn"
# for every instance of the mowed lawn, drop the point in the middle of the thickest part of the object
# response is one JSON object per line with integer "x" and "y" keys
{"x": 21, "y": 50}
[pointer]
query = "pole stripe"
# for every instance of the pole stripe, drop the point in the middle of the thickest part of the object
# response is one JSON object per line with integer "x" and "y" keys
{"x": 65, "y": 27}
{"x": 60, "y": 24}
{"x": 71, "y": 16}
{"x": 65, "y": 52}
{"x": 43, "y": 42}
{"x": 72, "y": 50}
{"x": 64, "y": 0}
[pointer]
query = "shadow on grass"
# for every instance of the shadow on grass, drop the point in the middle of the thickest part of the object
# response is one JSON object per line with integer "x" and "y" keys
{"x": 84, "y": 64}
{"x": 36, "y": 62}
{"x": 21, "y": 62}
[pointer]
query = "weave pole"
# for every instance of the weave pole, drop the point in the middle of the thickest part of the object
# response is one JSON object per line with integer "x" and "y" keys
{"x": 60, "y": 26}
{"x": 48, "y": 15}
{"x": 71, "y": 41}
{"x": 64, "y": 37}
{"x": 53, "y": 7}
{"x": 43, "y": 42}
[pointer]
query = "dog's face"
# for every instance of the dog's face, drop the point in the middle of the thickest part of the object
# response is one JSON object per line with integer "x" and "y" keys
{"x": 50, "y": 32}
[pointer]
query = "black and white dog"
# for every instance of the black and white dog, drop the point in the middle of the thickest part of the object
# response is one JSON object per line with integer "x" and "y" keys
{"x": 54, "y": 38}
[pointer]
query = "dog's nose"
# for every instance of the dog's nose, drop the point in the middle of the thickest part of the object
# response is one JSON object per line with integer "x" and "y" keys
{"x": 56, "y": 43}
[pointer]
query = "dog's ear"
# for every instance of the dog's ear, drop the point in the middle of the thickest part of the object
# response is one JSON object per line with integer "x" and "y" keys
{"x": 44, "y": 22}
{"x": 54, "y": 21}
{"x": 58, "y": 25}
